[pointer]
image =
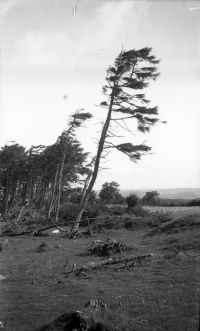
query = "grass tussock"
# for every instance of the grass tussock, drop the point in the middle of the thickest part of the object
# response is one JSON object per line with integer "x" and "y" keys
{"x": 43, "y": 247}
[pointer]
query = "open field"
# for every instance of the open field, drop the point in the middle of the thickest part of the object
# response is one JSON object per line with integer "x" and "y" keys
{"x": 175, "y": 211}
{"x": 161, "y": 293}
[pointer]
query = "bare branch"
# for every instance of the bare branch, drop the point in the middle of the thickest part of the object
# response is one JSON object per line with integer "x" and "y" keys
{"x": 122, "y": 118}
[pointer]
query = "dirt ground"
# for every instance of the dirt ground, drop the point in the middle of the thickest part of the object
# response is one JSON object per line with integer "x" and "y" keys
{"x": 162, "y": 293}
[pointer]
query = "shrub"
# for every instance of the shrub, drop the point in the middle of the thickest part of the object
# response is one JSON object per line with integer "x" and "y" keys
{"x": 128, "y": 223}
{"x": 159, "y": 217}
{"x": 118, "y": 211}
{"x": 92, "y": 211}
{"x": 150, "y": 198}
{"x": 132, "y": 201}
{"x": 139, "y": 211}
{"x": 112, "y": 223}
{"x": 172, "y": 202}
{"x": 136, "y": 223}
{"x": 194, "y": 202}
{"x": 68, "y": 211}
{"x": 149, "y": 220}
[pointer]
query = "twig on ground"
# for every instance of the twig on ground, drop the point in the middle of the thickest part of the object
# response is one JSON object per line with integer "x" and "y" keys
{"x": 66, "y": 263}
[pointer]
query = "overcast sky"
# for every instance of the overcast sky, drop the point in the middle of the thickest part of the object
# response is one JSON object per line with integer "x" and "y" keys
{"x": 52, "y": 48}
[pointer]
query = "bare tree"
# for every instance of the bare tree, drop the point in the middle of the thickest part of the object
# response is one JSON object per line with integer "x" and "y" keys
{"x": 132, "y": 71}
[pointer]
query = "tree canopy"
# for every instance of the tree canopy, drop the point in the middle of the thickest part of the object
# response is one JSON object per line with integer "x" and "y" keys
{"x": 132, "y": 201}
{"x": 39, "y": 175}
{"x": 150, "y": 198}
{"x": 109, "y": 192}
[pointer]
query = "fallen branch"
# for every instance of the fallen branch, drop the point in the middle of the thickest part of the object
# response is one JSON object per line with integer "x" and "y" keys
{"x": 33, "y": 232}
{"x": 60, "y": 229}
{"x": 98, "y": 218}
{"x": 116, "y": 260}
{"x": 50, "y": 227}
{"x": 8, "y": 233}
{"x": 37, "y": 231}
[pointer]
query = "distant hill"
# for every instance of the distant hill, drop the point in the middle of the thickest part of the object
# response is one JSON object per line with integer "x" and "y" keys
{"x": 171, "y": 193}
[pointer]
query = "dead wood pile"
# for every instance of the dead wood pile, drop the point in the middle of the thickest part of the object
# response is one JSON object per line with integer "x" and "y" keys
{"x": 106, "y": 247}
{"x": 124, "y": 261}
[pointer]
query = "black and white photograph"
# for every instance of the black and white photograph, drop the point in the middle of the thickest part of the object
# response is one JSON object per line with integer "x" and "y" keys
{"x": 99, "y": 165}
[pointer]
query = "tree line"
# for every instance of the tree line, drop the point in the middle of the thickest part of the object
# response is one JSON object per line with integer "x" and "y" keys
{"x": 38, "y": 178}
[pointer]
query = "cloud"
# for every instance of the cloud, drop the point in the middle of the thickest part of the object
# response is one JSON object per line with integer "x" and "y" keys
{"x": 37, "y": 48}
{"x": 113, "y": 17}
{"x": 81, "y": 45}
{"x": 115, "y": 22}
{"x": 193, "y": 8}
{"x": 6, "y": 6}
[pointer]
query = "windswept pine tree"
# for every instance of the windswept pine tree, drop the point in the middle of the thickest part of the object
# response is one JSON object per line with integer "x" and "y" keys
{"x": 132, "y": 71}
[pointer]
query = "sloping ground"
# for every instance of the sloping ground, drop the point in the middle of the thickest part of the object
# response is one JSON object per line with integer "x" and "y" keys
{"x": 189, "y": 222}
{"x": 161, "y": 293}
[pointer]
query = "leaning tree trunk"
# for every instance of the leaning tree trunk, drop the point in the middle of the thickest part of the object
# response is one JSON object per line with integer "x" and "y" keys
{"x": 110, "y": 261}
{"x": 53, "y": 194}
{"x": 6, "y": 195}
{"x": 87, "y": 181}
{"x": 60, "y": 186}
{"x": 85, "y": 198}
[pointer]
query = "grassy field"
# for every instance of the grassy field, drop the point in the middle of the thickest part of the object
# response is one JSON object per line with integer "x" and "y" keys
{"x": 162, "y": 293}
{"x": 175, "y": 211}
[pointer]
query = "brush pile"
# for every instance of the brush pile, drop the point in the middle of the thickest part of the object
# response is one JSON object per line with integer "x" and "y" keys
{"x": 106, "y": 247}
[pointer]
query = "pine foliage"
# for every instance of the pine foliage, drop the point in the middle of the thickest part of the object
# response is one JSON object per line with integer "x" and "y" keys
{"x": 132, "y": 71}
